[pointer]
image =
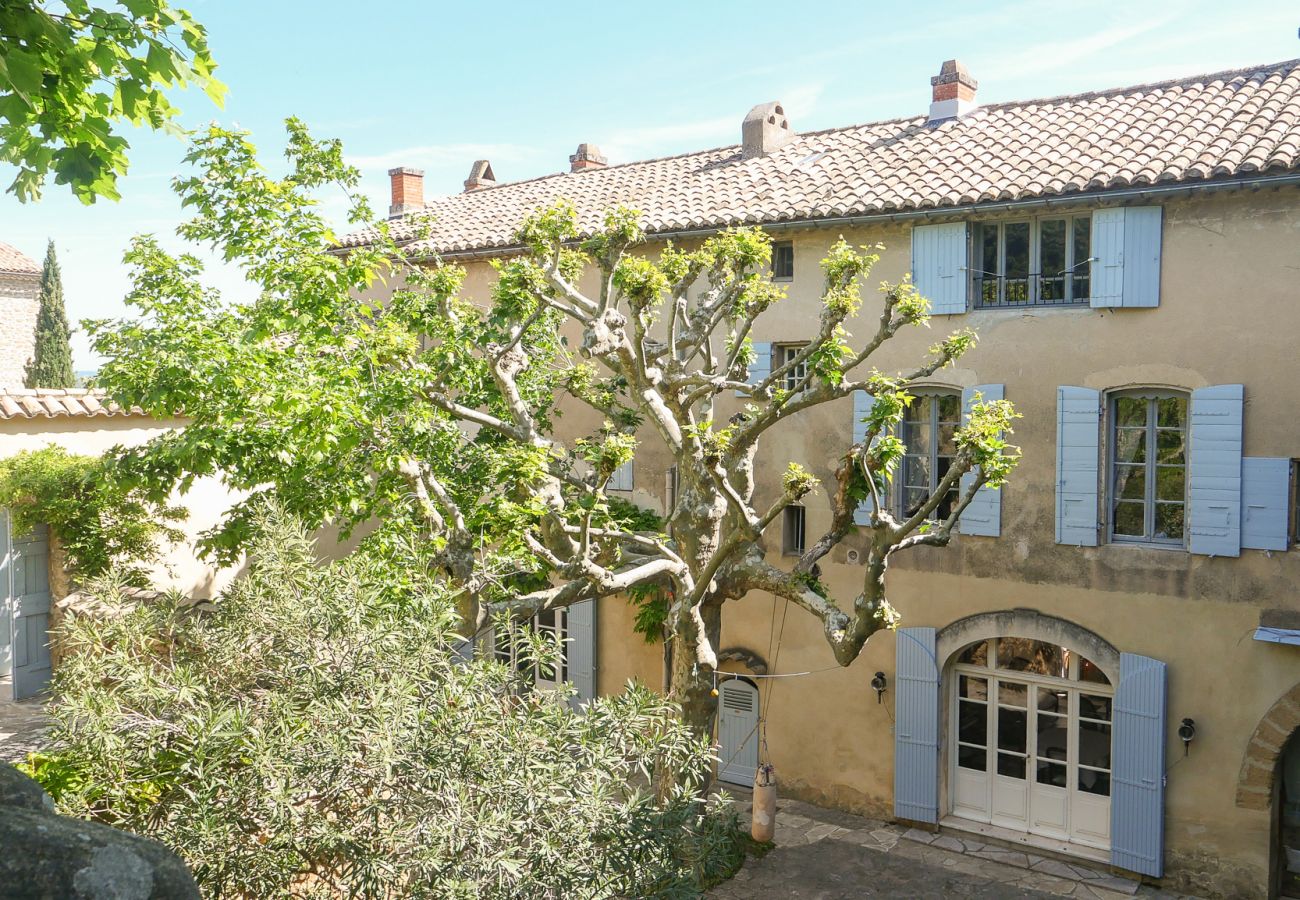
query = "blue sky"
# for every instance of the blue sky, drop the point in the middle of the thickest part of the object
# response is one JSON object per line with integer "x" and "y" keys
{"x": 438, "y": 85}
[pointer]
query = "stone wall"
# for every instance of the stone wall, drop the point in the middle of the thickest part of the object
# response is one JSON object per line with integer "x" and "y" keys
{"x": 19, "y": 301}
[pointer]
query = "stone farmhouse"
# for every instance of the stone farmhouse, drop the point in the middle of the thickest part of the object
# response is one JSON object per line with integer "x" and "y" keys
{"x": 1104, "y": 664}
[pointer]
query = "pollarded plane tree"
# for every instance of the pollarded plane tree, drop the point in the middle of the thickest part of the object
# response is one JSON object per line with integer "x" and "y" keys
{"x": 440, "y": 416}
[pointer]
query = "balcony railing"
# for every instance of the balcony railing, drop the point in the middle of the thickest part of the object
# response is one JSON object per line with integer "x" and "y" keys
{"x": 993, "y": 291}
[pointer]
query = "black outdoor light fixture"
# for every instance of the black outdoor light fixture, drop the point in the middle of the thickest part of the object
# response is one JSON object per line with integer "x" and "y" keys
{"x": 878, "y": 683}
{"x": 1187, "y": 731}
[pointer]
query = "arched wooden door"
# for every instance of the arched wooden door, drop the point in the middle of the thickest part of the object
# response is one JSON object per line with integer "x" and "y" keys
{"x": 737, "y": 731}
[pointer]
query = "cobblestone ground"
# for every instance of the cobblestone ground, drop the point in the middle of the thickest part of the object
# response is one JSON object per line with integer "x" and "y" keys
{"x": 22, "y": 728}
{"x": 824, "y": 854}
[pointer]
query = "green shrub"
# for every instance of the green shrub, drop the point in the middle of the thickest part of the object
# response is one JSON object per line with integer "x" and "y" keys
{"x": 312, "y": 735}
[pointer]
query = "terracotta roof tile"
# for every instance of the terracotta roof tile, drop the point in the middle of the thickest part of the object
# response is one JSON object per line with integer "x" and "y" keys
{"x": 1225, "y": 124}
{"x": 53, "y": 403}
{"x": 14, "y": 261}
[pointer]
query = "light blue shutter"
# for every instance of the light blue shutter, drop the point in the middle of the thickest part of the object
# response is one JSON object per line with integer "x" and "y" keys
{"x": 581, "y": 650}
{"x": 1078, "y": 464}
{"x": 939, "y": 266}
{"x": 1138, "y": 767}
{"x": 984, "y": 515}
{"x": 862, "y": 403}
{"x": 916, "y": 726}
{"x": 1265, "y": 491}
{"x": 1126, "y": 247}
{"x": 1214, "y": 470}
{"x": 761, "y": 367}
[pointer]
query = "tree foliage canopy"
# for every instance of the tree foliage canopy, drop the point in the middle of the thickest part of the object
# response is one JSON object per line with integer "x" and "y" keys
{"x": 440, "y": 416}
{"x": 313, "y": 735}
{"x": 72, "y": 73}
{"x": 51, "y": 364}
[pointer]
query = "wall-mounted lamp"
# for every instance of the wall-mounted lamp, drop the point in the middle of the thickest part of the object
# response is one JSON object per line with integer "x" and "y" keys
{"x": 878, "y": 684}
{"x": 1186, "y": 732}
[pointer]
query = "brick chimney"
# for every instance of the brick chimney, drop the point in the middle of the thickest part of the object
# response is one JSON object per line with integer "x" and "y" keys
{"x": 588, "y": 156}
{"x": 764, "y": 130}
{"x": 480, "y": 176}
{"x": 954, "y": 92}
{"x": 407, "y": 190}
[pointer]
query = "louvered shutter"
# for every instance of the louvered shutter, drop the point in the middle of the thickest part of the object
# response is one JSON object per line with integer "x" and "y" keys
{"x": 984, "y": 515}
{"x": 1126, "y": 247}
{"x": 1078, "y": 464}
{"x": 581, "y": 650}
{"x": 1214, "y": 470}
{"x": 29, "y": 607}
{"x": 1138, "y": 767}
{"x": 862, "y": 402}
{"x": 1265, "y": 491}
{"x": 761, "y": 367}
{"x": 737, "y": 732}
{"x": 939, "y": 266}
{"x": 916, "y": 726}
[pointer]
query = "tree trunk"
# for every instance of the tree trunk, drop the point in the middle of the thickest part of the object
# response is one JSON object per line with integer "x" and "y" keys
{"x": 692, "y": 683}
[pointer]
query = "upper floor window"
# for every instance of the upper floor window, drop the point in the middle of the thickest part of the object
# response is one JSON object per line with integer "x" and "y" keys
{"x": 785, "y": 355}
{"x": 792, "y": 530}
{"x": 783, "y": 260}
{"x": 1034, "y": 262}
{"x": 553, "y": 624}
{"x": 1148, "y": 470}
{"x": 928, "y": 432}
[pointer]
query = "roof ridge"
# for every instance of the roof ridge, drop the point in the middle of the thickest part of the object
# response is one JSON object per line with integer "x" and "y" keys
{"x": 1006, "y": 104}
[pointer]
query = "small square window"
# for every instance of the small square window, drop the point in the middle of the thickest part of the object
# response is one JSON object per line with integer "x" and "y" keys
{"x": 787, "y": 355}
{"x": 783, "y": 260}
{"x": 792, "y": 539}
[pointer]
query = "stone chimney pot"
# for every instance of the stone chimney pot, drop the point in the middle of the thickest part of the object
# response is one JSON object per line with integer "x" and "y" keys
{"x": 407, "y": 190}
{"x": 764, "y": 130}
{"x": 588, "y": 156}
{"x": 480, "y": 176}
{"x": 953, "y": 92}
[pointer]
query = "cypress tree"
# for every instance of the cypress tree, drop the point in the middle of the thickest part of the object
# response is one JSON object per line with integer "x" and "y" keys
{"x": 51, "y": 366}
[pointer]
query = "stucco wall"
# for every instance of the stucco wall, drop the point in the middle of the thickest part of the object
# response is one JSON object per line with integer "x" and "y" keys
{"x": 206, "y": 501}
{"x": 1228, "y": 314}
{"x": 19, "y": 302}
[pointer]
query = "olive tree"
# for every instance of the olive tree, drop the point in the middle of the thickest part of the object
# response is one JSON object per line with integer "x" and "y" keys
{"x": 441, "y": 416}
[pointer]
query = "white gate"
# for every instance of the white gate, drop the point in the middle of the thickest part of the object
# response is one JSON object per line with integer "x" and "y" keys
{"x": 737, "y": 731}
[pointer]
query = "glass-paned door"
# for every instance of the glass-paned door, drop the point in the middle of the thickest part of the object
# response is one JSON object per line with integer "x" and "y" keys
{"x": 1032, "y": 753}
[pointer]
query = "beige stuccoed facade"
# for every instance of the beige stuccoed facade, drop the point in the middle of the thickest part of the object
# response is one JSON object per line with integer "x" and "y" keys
{"x": 1228, "y": 314}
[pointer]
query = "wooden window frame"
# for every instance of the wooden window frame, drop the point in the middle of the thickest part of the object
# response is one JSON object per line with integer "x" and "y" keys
{"x": 1034, "y": 285}
{"x": 1150, "y": 467}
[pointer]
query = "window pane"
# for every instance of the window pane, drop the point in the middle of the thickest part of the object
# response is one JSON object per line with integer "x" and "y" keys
{"x": 1028, "y": 655}
{"x": 1130, "y": 411}
{"x": 1011, "y": 766}
{"x": 916, "y": 471}
{"x": 1051, "y": 773}
{"x": 1051, "y": 259}
{"x": 973, "y": 723}
{"x": 1169, "y": 483}
{"x": 1130, "y": 519}
{"x": 1016, "y": 695}
{"x": 1169, "y": 521}
{"x": 1082, "y": 250}
{"x": 1172, "y": 412}
{"x": 1094, "y": 782}
{"x": 973, "y": 688}
{"x": 1171, "y": 446}
{"x": 1052, "y": 735}
{"x": 1094, "y": 744}
{"x": 1130, "y": 445}
{"x": 1012, "y": 729}
{"x": 1130, "y": 482}
{"x": 975, "y": 655}
{"x": 972, "y": 758}
{"x": 919, "y": 409}
{"x": 1017, "y": 262}
{"x": 1053, "y": 701}
{"x": 914, "y": 499}
{"x": 1093, "y": 706}
{"x": 949, "y": 408}
{"x": 948, "y": 440}
{"x": 1088, "y": 671}
{"x": 988, "y": 239}
{"x": 916, "y": 437}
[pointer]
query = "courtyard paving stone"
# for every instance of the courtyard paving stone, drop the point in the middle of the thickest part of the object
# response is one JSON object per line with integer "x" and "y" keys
{"x": 23, "y": 725}
{"x": 823, "y": 854}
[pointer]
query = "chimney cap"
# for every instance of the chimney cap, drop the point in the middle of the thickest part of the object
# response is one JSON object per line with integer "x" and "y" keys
{"x": 954, "y": 71}
{"x": 587, "y": 156}
{"x": 406, "y": 170}
{"x": 480, "y": 175}
{"x": 765, "y": 129}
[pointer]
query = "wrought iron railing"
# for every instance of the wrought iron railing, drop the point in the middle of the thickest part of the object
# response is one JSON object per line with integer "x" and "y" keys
{"x": 993, "y": 291}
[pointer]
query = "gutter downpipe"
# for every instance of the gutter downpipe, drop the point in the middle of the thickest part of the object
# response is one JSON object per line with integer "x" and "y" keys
{"x": 1135, "y": 193}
